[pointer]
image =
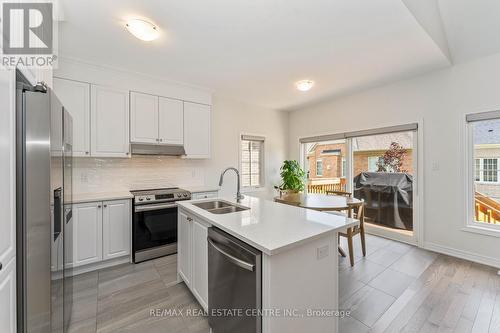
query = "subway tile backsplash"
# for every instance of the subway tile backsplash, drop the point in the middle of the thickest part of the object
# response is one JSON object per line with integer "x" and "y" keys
{"x": 91, "y": 175}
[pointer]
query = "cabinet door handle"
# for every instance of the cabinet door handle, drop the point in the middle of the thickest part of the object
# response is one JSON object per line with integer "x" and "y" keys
{"x": 190, "y": 219}
{"x": 98, "y": 206}
{"x": 86, "y": 153}
{"x": 105, "y": 206}
{"x": 1, "y": 266}
{"x": 161, "y": 140}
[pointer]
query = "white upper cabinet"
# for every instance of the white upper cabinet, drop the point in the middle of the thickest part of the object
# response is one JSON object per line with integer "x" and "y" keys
{"x": 143, "y": 118}
{"x": 197, "y": 130}
{"x": 109, "y": 122}
{"x": 75, "y": 96}
{"x": 171, "y": 121}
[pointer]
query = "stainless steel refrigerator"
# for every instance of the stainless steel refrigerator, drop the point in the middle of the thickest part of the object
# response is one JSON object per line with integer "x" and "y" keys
{"x": 43, "y": 200}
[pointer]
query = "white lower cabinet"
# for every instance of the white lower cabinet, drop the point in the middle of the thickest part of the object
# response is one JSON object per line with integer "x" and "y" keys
{"x": 116, "y": 223}
{"x": 184, "y": 253}
{"x": 87, "y": 233}
{"x": 200, "y": 262}
{"x": 192, "y": 256}
{"x": 100, "y": 231}
{"x": 8, "y": 297}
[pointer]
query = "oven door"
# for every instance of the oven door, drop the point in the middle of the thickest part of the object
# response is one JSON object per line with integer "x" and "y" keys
{"x": 154, "y": 230}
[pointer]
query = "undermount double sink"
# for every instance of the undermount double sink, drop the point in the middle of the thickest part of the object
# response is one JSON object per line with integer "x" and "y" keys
{"x": 219, "y": 207}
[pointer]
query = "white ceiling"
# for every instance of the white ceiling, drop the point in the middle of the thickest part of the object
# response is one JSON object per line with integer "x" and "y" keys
{"x": 255, "y": 50}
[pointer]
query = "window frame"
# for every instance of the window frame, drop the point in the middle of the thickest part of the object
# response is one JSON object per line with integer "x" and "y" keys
{"x": 482, "y": 170}
{"x": 368, "y": 161}
{"x": 319, "y": 160}
{"x": 470, "y": 223}
{"x": 262, "y": 164}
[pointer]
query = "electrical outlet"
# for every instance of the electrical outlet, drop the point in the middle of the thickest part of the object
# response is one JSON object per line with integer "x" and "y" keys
{"x": 322, "y": 252}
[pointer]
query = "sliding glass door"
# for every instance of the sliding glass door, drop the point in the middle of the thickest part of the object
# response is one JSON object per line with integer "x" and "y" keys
{"x": 384, "y": 177}
{"x": 377, "y": 166}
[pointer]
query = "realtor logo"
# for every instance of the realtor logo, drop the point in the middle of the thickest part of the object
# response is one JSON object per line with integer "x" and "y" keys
{"x": 28, "y": 35}
{"x": 27, "y": 28}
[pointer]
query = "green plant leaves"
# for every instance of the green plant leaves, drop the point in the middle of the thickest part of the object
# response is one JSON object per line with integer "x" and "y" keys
{"x": 292, "y": 176}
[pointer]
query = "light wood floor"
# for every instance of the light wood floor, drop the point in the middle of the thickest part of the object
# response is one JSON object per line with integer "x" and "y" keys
{"x": 395, "y": 288}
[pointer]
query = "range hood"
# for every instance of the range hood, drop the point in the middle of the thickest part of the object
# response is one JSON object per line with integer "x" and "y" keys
{"x": 152, "y": 149}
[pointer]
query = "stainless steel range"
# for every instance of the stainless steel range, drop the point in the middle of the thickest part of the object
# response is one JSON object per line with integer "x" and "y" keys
{"x": 154, "y": 225}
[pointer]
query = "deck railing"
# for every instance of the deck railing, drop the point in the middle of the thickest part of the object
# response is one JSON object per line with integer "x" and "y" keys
{"x": 338, "y": 184}
{"x": 487, "y": 210}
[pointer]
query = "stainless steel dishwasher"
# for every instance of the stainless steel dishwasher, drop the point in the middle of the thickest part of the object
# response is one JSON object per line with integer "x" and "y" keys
{"x": 234, "y": 284}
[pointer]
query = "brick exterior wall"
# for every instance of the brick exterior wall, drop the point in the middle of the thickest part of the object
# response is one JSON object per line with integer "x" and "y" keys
{"x": 332, "y": 164}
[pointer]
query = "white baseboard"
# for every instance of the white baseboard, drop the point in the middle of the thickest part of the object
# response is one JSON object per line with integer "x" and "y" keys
{"x": 461, "y": 254}
{"x": 100, "y": 265}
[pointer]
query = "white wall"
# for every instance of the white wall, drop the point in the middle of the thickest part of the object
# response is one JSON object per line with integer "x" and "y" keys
{"x": 440, "y": 99}
{"x": 229, "y": 119}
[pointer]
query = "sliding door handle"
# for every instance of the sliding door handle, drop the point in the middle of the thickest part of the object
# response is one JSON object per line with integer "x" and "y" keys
{"x": 238, "y": 262}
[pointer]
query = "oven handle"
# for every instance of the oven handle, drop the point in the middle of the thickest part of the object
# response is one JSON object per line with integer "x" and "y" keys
{"x": 146, "y": 208}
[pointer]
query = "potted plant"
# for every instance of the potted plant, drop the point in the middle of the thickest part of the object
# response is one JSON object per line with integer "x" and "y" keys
{"x": 293, "y": 178}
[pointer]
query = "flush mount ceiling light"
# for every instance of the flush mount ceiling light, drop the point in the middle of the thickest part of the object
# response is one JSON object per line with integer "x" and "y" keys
{"x": 143, "y": 30}
{"x": 304, "y": 85}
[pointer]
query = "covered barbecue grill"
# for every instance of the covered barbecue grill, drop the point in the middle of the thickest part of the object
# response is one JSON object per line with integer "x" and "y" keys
{"x": 388, "y": 198}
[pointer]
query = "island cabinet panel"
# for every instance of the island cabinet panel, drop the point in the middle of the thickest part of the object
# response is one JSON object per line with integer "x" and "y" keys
{"x": 109, "y": 122}
{"x": 116, "y": 224}
{"x": 314, "y": 286}
{"x": 87, "y": 233}
{"x": 143, "y": 118}
{"x": 197, "y": 130}
{"x": 192, "y": 255}
{"x": 184, "y": 244}
{"x": 171, "y": 121}
{"x": 200, "y": 262}
{"x": 75, "y": 96}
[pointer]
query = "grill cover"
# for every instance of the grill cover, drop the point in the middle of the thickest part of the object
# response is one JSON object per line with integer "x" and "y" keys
{"x": 388, "y": 198}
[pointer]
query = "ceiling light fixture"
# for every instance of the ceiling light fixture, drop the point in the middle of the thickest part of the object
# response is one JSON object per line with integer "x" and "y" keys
{"x": 304, "y": 85}
{"x": 143, "y": 30}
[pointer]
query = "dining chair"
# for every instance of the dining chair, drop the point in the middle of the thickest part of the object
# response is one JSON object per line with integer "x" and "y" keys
{"x": 353, "y": 231}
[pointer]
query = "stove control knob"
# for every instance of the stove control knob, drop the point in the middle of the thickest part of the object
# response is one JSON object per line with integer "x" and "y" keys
{"x": 185, "y": 195}
{"x": 141, "y": 199}
{"x": 148, "y": 198}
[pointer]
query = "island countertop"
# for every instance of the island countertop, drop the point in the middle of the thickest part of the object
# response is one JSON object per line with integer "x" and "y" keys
{"x": 269, "y": 226}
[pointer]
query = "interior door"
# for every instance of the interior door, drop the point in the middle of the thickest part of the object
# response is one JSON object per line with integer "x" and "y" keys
{"x": 171, "y": 121}
{"x": 143, "y": 118}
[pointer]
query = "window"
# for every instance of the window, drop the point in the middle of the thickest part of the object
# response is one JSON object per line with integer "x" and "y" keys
{"x": 331, "y": 152}
{"x": 486, "y": 170}
{"x": 319, "y": 168}
{"x": 252, "y": 161}
{"x": 372, "y": 163}
{"x": 483, "y": 162}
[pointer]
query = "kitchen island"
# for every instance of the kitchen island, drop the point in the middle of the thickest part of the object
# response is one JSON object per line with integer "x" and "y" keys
{"x": 299, "y": 261}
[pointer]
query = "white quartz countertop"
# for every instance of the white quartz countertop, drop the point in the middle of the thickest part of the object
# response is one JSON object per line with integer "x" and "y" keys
{"x": 101, "y": 196}
{"x": 269, "y": 226}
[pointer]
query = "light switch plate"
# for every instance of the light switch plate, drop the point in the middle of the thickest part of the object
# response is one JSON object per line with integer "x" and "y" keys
{"x": 322, "y": 252}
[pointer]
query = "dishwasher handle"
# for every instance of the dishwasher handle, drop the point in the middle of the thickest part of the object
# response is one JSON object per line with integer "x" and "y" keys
{"x": 241, "y": 263}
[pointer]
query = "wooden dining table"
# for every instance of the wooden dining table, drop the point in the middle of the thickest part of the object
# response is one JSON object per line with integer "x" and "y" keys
{"x": 324, "y": 203}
